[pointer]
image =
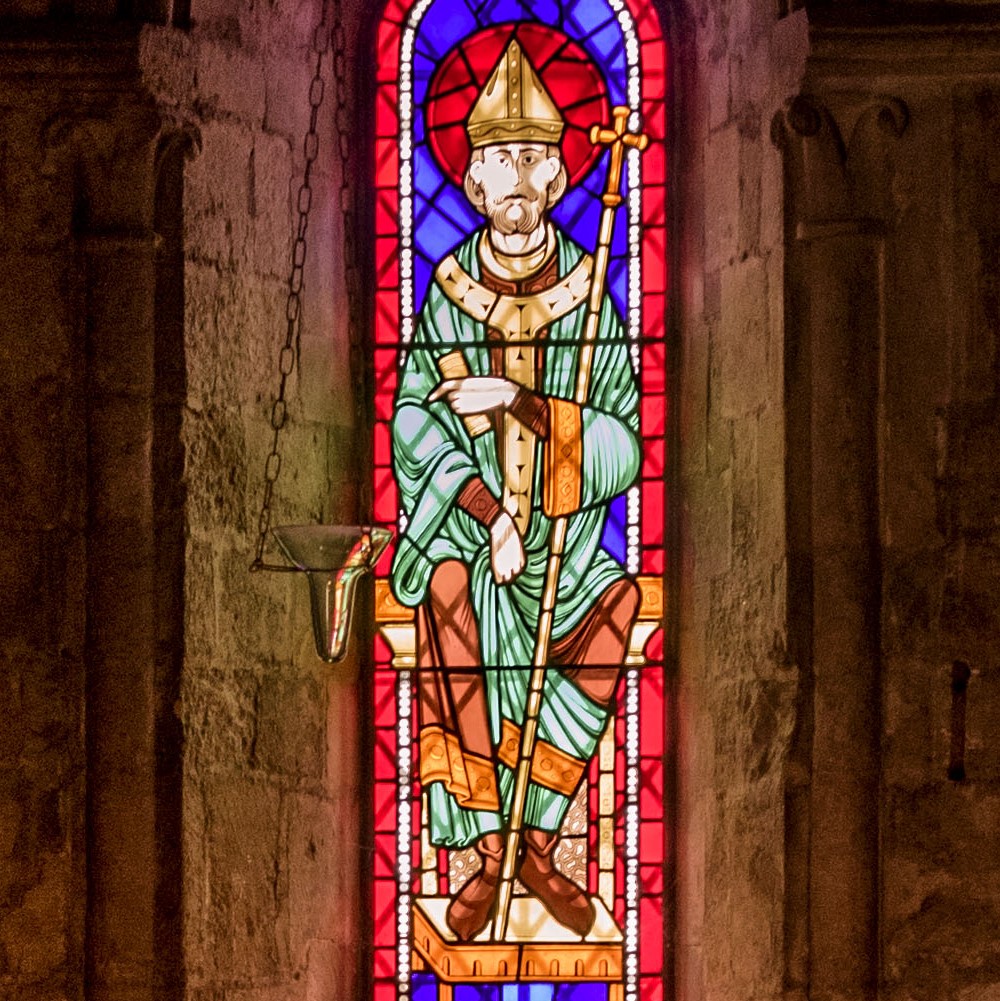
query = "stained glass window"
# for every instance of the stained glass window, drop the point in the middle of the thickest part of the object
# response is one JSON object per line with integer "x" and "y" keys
{"x": 519, "y": 442}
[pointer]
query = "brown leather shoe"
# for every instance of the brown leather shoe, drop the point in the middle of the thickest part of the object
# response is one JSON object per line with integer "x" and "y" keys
{"x": 471, "y": 909}
{"x": 564, "y": 900}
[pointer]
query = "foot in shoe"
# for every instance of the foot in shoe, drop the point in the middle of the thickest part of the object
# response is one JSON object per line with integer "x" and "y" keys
{"x": 471, "y": 909}
{"x": 564, "y": 900}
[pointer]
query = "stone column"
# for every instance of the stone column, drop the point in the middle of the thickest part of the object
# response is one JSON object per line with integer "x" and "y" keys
{"x": 113, "y": 159}
{"x": 844, "y": 333}
{"x": 121, "y": 620}
{"x": 834, "y": 324}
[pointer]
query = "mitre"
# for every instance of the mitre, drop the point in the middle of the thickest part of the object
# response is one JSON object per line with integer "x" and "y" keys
{"x": 514, "y": 105}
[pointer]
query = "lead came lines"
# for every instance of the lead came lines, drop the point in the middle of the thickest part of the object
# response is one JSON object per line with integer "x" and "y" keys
{"x": 404, "y": 691}
{"x": 404, "y": 868}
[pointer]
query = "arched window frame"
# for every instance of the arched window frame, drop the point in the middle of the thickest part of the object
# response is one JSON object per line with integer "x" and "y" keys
{"x": 646, "y": 841}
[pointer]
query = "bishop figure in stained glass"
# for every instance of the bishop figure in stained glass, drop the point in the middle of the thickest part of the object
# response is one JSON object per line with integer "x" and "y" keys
{"x": 489, "y": 448}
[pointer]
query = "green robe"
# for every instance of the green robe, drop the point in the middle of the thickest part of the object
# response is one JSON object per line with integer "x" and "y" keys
{"x": 434, "y": 457}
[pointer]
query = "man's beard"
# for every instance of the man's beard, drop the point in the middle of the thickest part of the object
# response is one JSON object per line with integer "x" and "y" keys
{"x": 516, "y": 215}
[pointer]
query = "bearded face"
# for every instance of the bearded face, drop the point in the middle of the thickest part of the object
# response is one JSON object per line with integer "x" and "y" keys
{"x": 513, "y": 185}
{"x": 519, "y": 212}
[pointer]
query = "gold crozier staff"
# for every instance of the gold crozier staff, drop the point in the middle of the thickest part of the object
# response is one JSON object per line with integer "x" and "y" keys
{"x": 618, "y": 138}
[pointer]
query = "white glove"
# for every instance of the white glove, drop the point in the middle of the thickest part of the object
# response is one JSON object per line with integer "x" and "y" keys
{"x": 506, "y": 549}
{"x": 475, "y": 394}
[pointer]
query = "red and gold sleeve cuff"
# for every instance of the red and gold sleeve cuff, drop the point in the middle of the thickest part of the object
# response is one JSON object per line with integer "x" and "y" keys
{"x": 476, "y": 501}
{"x": 532, "y": 411}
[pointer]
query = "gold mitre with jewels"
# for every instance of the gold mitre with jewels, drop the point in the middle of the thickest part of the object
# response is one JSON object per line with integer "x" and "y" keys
{"x": 514, "y": 105}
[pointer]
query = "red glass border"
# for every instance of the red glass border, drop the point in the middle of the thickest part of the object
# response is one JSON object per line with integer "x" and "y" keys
{"x": 656, "y": 286}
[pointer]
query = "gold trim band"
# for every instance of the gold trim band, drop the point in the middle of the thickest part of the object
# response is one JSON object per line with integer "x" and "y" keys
{"x": 514, "y": 316}
{"x": 563, "y": 459}
{"x": 470, "y": 778}
{"x": 550, "y": 767}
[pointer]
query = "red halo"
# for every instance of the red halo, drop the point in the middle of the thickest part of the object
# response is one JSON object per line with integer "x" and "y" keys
{"x": 569, "y": 75}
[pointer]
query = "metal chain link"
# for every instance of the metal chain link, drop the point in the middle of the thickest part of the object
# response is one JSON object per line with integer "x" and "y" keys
{"x": 293, "y": 304}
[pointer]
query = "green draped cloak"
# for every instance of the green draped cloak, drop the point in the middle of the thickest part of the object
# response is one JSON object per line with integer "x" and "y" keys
{"x": 434, "y": 458}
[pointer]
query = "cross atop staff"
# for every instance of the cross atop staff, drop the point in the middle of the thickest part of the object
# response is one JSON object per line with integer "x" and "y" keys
{"x": 618, "y": 138}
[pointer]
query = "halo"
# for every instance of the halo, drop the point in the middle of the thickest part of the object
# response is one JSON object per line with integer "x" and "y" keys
{"x": 569, "y": 74}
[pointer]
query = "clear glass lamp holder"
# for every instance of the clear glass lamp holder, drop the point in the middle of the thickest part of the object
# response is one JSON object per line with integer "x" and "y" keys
{"x": 335, "y": 557}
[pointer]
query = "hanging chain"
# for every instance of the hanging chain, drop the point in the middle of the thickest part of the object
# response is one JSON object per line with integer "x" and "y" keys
{"x": 343, "y": 123}
{"x": 293, "y": 304}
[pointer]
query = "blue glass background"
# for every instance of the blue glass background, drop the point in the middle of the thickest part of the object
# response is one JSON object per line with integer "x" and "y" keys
{"x": 442, "y": 215}
{"x": 443, "y": 218}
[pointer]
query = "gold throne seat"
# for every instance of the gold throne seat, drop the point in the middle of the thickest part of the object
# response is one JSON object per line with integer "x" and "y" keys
{"x": 536, "y": 947}
{"x": 396, "y": 623}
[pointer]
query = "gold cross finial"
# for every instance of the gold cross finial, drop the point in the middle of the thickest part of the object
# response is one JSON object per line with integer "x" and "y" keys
{"x": 617, "y": 137}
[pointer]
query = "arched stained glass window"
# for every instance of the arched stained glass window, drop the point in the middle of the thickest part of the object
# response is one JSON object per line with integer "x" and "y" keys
{"x": 520, "y": 310}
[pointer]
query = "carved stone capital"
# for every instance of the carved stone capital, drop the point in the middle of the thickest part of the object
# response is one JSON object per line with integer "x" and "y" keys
{"x": 103, "y": 136}
{"x": 841, "y": 117}
{"x": 830, "y": 145}
{"x": 178, "y": 136}
{"x": 863, "y": 118}
{"x": 801, "y": 116}
{"x": 814, "y": 155}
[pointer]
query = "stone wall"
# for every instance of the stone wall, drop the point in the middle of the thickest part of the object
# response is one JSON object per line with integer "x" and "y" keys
{"x": 273, "y": 764}
{"x": 892, "y": 215}
{"x": 940, "y": 810}
{"x": 183, "y": 786}
{"x": 181, "y": 806}
{"x": 737, "y": 65}
{"x": 76, "y": 650}
{"x": 42, "y": 631}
